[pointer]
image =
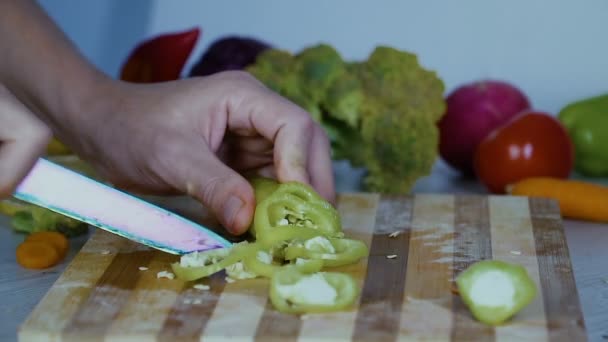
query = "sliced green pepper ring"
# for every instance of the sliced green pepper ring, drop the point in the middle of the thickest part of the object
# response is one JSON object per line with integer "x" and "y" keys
{"x": 287, "y": 209}
{"x": 347, "y": 251}
{"x": 258, "y": 267}
{"x": 263, "y": 187}
{"x": 287, "y": 233}
{"x": 301, "y": 191}
{"x": 288, "y": 297}
{"x": 293, "y": 204}
{"x": 227, "y": 257}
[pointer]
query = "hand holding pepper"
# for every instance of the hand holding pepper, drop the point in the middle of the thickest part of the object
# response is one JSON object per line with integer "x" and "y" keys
{"x": 195, "y": 136}
{"x": 199, "y": 135}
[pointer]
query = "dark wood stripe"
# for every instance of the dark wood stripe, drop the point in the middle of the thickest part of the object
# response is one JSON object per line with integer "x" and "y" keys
{"x": 277, "y": 326}
{"x": 109, "y": 294}
{"x": 381, "y": 300}
{"x": 562, "y": 307}
{"x": 187, "y": 320}
{"x": 472, "y": 242}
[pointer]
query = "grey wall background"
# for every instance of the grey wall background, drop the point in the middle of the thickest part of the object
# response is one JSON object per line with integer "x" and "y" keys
{"x": 104, "y": 30}
{"x": 555, "y": 50}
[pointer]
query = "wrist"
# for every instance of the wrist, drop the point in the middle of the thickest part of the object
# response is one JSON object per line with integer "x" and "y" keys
{"x": 78, "y": 113}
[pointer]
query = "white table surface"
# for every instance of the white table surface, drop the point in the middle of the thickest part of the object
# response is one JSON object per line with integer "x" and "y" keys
{"x": 21, "y": 289}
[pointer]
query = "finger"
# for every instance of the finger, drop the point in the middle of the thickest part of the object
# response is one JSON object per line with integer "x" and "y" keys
{"x": 244, "y": 162}
{"x": 229, "y": 196}
{"x": 320, "y": 165}
{"x": 23, "y": 139}
{"x": 255, "y": 145}
{"x": 283, "y": 123}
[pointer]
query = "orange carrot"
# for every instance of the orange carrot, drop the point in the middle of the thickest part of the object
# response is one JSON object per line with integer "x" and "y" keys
{"x": 57, "y": 240}
{"x": 577, "y": 199}
{"x": 37, "y": 254}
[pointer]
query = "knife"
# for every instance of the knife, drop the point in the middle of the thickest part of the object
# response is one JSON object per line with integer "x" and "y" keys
{"x": 67, "y": 192}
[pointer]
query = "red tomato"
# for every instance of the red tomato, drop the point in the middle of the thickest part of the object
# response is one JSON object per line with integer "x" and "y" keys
{"x": 531, "y": 144}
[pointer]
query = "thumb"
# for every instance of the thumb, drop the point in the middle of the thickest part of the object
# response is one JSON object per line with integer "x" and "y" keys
{"x": 221, "y": 189}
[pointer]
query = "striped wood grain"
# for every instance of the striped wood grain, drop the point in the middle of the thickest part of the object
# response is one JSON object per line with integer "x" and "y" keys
{"x": 103, "y": 295}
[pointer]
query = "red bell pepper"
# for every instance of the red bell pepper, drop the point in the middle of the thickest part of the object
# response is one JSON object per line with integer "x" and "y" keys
{"x": 161, "y": 58}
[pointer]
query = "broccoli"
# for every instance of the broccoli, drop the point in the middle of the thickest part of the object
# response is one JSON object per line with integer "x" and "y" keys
{"x": 28, "y": 218}
{"x": 380, "y": 114}
{"x": 277, "y": 70}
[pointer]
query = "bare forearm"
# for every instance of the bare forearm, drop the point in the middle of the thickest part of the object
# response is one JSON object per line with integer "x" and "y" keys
{"x": 42, "y": 67}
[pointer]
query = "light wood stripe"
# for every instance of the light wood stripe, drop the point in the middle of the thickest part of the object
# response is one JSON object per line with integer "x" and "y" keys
{"x": 429, "y": 269}
{"x": 143, "y": 314}
{"x": 472, "y": 242}
{"x": 380, "y": 308}
{"x": 358, "y": 214}
{"x": 95, "y": 315}
{"x": 562, "y": 306}
{"x": 238, "y": 311}
{"x": 71, "y": 289}
{"x": 511, "y": 227}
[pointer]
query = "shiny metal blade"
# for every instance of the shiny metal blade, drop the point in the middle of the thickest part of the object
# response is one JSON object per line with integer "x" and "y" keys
{"x": 69, "y": 193}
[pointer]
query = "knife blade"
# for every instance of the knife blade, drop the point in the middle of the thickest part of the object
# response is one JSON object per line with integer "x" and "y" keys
{"x": 67, "y": 192}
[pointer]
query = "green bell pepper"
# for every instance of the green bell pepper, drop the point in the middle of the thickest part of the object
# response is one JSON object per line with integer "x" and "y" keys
{"x": 294, "y": 292}
{"x": 495, "y": 290}
{"x": 333, "y": 252}
{"x": 200, "y": 265}
{"x": 297, "y": 233}
{"x": 292, "y": 204}
{"x": 587, "y": 125}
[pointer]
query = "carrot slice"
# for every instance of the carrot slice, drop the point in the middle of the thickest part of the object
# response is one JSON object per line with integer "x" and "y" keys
{"x": 57, "y": 240}
{"x": 37, "y": 254}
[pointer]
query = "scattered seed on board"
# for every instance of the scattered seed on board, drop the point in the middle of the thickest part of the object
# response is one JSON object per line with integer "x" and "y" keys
{"x": 165, "y": 274}
{"x": 394, "y": 234}
{"x": 229, "y": 280}
{"x": 201, "y": 287}
{"x": 392, "y": 256}
{"x": 142, "y": 268}
{"x": 105, "y": 252}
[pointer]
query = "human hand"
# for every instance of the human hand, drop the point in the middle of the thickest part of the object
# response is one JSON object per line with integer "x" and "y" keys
{"x": 198, "y": 136}
{"x": 23, "y": 139}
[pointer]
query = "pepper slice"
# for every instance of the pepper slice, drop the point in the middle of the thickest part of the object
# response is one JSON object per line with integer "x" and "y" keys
{"x": 211, "y": 261}
{"x": 285, "y": 207}
{"x": 259, "y": 267}
{"x": 286, "y": 234}
{"x": 342, "y": 251}
{"x": 295, "y": 292}
{"x": 495, "y": 290}
{"x": 263, "y": 187}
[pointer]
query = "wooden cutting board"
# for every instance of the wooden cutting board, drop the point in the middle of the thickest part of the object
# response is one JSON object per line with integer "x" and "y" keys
{"x": 103, "y": 295}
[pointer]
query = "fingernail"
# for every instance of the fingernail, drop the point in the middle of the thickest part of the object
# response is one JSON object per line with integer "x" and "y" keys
{"x": 231, "y": 208}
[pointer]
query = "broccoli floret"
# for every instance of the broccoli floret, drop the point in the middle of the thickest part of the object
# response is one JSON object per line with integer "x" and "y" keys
{"x": 343, "y": 99}
{"x": 398, "y": 148}
{"x": 275, "y": 68}
{"x": 278, "y": 70}
{"x": 403, "y": 102}
{"x": 27, "y": 218}
{"x": 317, "y": 68}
